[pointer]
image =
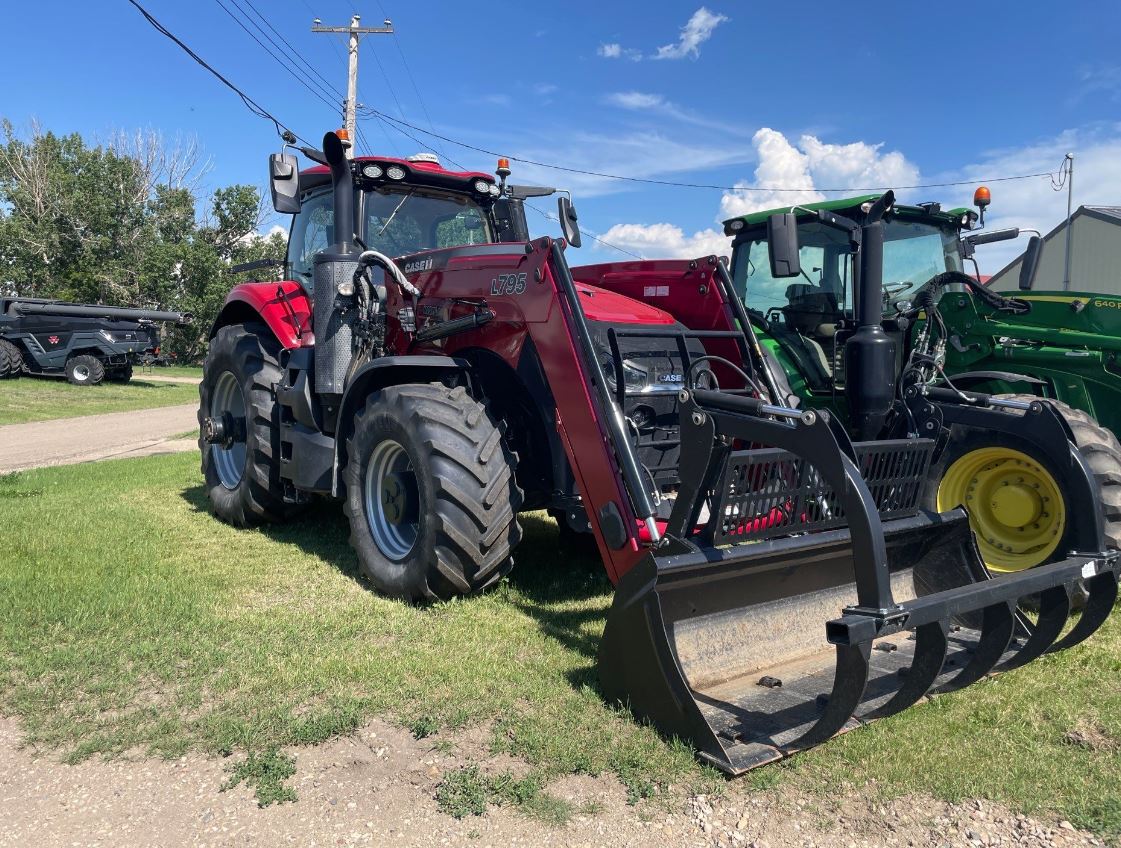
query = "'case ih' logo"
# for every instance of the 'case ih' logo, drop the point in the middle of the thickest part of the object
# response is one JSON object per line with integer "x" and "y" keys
{"x": 52, "y": 339}
{"x": 418, "y": 265}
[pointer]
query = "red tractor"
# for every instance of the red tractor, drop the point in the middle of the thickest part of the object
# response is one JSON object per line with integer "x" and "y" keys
{"x": 437, "y": 371}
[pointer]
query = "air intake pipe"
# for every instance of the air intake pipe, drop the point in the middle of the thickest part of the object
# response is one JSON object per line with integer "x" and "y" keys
{"x": 334, "y": 313}
{"x": 870, "y": 354}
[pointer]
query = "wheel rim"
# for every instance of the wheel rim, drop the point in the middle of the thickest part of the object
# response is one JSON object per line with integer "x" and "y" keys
{"x": 81, "y": 373}
{"x": 228, "y": 401}
{"x": 1015, "y": 506}
{"x": 391, "y": 499}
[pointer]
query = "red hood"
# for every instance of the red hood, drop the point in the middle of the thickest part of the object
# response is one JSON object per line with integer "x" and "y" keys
{"x": 609, "y": 307}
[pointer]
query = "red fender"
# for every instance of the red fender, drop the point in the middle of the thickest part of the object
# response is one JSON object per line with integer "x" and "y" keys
{"x": 288, "y": 316}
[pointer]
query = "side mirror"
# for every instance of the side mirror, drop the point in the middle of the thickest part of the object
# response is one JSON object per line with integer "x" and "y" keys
{"x": 567, "y": 213}
{"x": 782, "y": 245}
{"x": 523, "y": 192}
{"x": 284, "y": 182}
{"x": 1030, "y": 263}
{"x": 993, "y": 235}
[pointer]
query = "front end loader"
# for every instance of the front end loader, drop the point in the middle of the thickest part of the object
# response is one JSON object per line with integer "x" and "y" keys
{"x": 768, "y": 569}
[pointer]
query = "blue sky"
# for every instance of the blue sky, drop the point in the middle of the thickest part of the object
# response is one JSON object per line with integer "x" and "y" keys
{"x": 804, "y": 95}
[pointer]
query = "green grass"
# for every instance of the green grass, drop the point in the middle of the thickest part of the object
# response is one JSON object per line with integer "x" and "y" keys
{"x": 148, "y": 625}
{"x": 266, "y": 773}
{"x": 41, "y": 399}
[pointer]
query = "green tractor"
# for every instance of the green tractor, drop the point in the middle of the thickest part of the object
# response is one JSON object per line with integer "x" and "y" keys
{"x": 933, "y": 330}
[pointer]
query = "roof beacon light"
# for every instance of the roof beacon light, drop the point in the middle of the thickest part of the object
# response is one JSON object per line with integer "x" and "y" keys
{"x": 982, "y": 197}
{"x": 431, "y": 158}
{"x": 503, "y": 167}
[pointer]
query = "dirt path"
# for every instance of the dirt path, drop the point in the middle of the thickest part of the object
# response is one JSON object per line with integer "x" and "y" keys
{"x": 64, "y": 441}
{"x": 377, "y": 788}
{"x": 141, "y": 377}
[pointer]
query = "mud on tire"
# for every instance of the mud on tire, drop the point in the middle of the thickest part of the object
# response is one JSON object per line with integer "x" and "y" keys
{"x": 462, "y": 522}
{"x": 250, "y": 353}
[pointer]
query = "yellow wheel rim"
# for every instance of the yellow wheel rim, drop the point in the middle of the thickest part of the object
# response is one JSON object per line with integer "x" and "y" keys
{"x": 1015, "y": 507}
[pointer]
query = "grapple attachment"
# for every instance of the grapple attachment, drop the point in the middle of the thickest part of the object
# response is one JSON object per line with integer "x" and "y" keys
{"x": 815, "y": 595}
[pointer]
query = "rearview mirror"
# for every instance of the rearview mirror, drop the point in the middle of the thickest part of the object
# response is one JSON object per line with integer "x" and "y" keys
{"x": 284, "y": 182}
{"x": 782, "y": 245}
{"x": 567, "y": 213}
{"x": 1030, "y": 263}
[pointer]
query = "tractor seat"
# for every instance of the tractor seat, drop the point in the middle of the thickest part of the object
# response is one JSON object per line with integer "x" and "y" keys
{"x": 808, "y": 307}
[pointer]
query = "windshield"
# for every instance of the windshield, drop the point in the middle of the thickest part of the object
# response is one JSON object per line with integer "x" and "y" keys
{"x": 397, "y": 221}
{"x": 401, "y": 220}
{"x": 913, "y": 253}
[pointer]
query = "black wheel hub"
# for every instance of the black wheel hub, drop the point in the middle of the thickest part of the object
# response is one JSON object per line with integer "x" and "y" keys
{"x": 399, "y": 498}
{"x": 223, "y": 430}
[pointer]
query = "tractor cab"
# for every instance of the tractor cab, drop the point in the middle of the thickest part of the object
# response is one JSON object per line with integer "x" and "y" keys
{"x": 811, "y": 316}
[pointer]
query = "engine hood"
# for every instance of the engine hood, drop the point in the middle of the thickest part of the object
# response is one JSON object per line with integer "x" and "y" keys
{"x": 609, "y": 307}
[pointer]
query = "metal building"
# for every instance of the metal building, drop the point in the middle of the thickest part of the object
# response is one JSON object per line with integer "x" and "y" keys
{"x": 1095, "y": 255}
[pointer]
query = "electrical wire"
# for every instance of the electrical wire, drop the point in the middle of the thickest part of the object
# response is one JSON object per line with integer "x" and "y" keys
{"x": 275, "y": 57}
{"x": 251, "y": 104}
{"x": 325, "y": 82}
{"x": 588, "y": 233}
{"x": 675, "y": 184}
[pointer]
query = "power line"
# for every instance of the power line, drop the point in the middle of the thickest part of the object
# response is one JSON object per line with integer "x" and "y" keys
{"x": 298, "y": 55}
{"x": 584, "y": 231}
{"x": 675, "y": 184}
{"x": 249, "y": 102}
{"x": 275, "y": 57}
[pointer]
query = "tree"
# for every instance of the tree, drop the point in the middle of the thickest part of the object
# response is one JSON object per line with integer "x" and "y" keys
{"x": 118, "y": 223}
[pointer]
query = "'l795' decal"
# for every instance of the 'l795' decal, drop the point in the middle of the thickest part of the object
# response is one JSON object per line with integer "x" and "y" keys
{"x": 508, "y": 284}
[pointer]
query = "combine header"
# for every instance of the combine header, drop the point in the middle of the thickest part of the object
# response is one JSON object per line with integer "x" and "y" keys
{"x": 769, "y": 571}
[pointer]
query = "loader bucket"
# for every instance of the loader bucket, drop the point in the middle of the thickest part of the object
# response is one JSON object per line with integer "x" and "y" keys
{"x": 757, "y": 650}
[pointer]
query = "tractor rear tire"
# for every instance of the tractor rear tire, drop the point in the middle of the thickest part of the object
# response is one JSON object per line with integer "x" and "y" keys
{"x": 120, "y": 375}
{"x": 1098, "y": 446}
{"x": 430, "y": 493}
{"x": 11, "y": 360}
{"x": 240, "y": 375}
{"x": 85, "y": 370}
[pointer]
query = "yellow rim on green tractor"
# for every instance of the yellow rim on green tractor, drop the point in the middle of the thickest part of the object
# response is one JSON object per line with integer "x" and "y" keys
{"x": 1015, "y": 506}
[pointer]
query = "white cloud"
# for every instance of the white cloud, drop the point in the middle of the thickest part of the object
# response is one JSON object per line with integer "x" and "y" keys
{"x": 1032, "y": 203}
{"x": 696, "y": 32}
{"x": 637, "y": 100}
{"x": 810, "y": 165}
{"x": 654, "y": 241}
{"x": 615, "y": 50}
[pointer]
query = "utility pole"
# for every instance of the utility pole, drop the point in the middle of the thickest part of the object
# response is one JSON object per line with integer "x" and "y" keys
{"x": 1070, "y": 193}
{"x": 355, "y": 30}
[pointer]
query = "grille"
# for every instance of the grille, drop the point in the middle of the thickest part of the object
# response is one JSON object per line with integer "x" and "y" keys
{"x": 333, "y": 337}
{"x": 770, "y": 492}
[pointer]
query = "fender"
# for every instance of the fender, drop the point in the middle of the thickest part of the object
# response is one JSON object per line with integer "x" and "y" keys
{"x": 284, "y": 307}
{"x": 390, "y": 371}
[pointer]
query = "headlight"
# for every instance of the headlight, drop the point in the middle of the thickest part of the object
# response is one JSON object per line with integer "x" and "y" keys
{"x": 373, "y": 171}
{"x": 495, "y": 190}
{"x": 482, "y": 186}
{"x": 346, "y": 287}
{"x": 395, "y": 172}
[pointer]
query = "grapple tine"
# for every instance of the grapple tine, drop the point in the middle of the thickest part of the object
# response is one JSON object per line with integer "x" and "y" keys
{"x": 1102, "y": 590}
{"x": 849, "y": 681}
{"x": 931, "y": 645}
{"x": 1054, "y": 610}
{"x": 997, "y": 626}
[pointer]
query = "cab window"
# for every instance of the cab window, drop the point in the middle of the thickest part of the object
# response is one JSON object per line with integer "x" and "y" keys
{"x": 312, "y": 231}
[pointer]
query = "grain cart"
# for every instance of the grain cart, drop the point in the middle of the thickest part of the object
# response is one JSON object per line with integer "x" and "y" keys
{"x": 758, "y": 553}
{"x": 86, "y": 343}
{"x": 951, "y": 335}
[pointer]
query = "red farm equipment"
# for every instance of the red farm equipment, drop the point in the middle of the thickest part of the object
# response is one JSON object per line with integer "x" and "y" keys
{"x": 760, "y": 557}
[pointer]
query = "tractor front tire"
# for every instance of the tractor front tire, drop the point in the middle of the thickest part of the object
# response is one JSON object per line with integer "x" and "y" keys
{"x": 996, "y": 476}
{"x": 430, "y": 493}
{"x": 85, "y": 370}
{"x": 242, "y": 474}
{"x": 11, "y": 360}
